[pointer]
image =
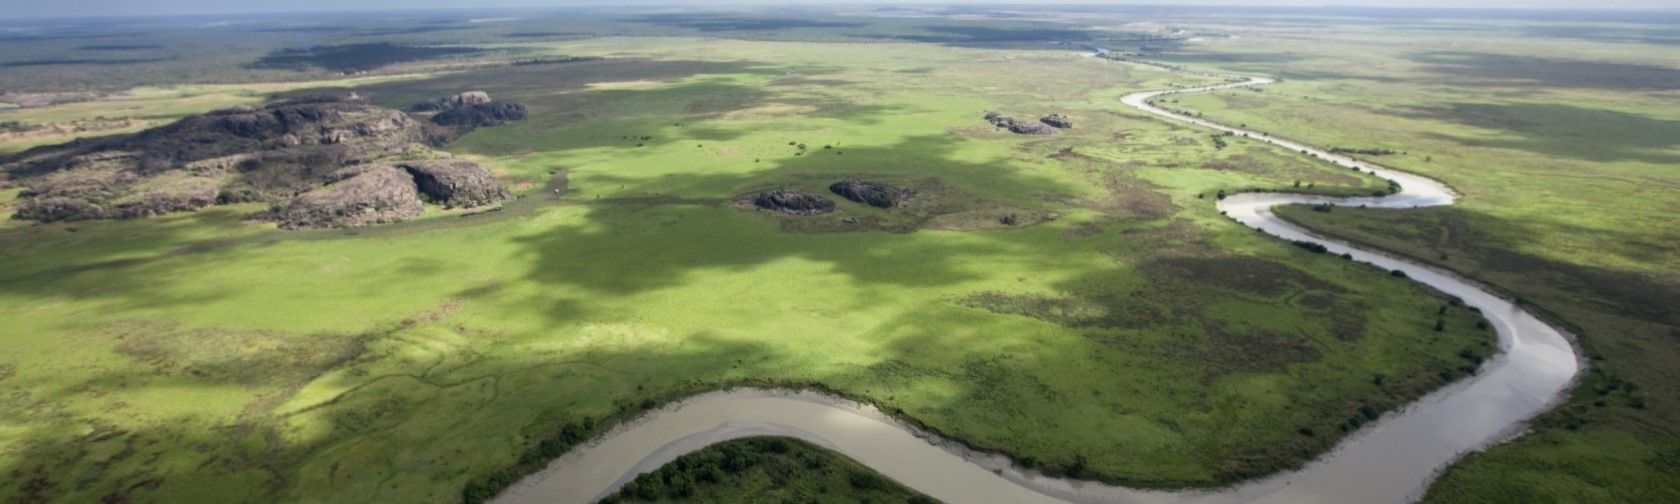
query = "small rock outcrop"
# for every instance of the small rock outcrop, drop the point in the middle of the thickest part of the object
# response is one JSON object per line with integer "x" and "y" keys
{"x": 466, "y": 99}
{"x": 999, "y": 120}
{"x": 874, "y": 194}
{"x": 1057, "y": 120}
{"x": 363, "y": 195}
{"x": 793, "y": 202}
{"x": 1018, "y": 127}
{"x": 456, "y": 183}
{"x": 1025, "y": 128}
{"x": 471, "y": 109}
{"x": 483, "y": 114}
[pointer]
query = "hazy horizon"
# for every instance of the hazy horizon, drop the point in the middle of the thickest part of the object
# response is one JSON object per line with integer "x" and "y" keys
{"x": 113, "y": 8}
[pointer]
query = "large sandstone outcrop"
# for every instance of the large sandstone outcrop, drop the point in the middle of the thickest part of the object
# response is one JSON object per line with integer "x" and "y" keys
{"x": 244, "y": 154}
{"x": 363, "y": 195}
{"x": 456, "y": 183}
{"x": 323, "y": 161}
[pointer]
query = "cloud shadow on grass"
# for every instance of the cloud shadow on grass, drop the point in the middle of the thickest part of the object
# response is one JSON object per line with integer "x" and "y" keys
{"x": 729, "y": 23}
{"x": 1563, "y": 130}
{"x": 1504, "y": 70}
{"x": 357, "y": 57}
{"x": 627, "y": 247}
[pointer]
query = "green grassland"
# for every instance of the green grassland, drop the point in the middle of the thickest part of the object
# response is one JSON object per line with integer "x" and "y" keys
{"x": 1130, "y": 333}
{"x": 1564, "y": 151}
{"x": 764, "y": 470}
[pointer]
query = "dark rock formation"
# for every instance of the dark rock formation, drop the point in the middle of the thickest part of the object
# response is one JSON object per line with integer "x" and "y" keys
{"x": 364, "y": 195}
{"x": 999, "y": 120}
{"x": 793, "y": 202}
{"x": 874, "y": 194}
{"x": 468, "y": 98}
{"x": 472, "y": 109}
{"x": 456, "y": 183}
{"x": 1025, "y": 128}
{"x": 482, "y": 114}
{"x": 1019, "y": 127}
{"x": 1057, "y": 120}
{"x": 243, "y": 154}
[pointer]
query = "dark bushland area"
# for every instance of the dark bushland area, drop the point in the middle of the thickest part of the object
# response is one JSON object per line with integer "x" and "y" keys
{"x": 764, "y": 469}
{"x": 357, "y": 57}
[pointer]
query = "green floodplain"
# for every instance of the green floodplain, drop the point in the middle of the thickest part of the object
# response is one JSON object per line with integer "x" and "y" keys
{"x": 1073, "y": 300}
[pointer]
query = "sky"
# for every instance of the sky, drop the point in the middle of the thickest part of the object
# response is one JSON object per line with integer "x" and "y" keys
{"x": 85, "y": 8}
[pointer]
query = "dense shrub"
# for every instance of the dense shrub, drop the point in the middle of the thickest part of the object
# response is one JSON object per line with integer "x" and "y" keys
{"x": 1314, "y": 247}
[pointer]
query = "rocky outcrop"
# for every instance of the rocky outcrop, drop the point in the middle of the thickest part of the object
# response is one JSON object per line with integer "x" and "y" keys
{"x": 270, "y": 152}
{"x": 456, "y": 183}
{"x": 999, "y": 120}
{"x": 1026, "y": 128}
{"x": 482, "y": 114}
{"x": 874, "y": 194}
{"x": 266, "y": 153}
{"x": 793, "y": 202}
{"x": 468, "y": 98}
{"x": 1018, "y": 127}
{"x": 472, "y": 109}
{"x": 363, "y": 195}
{"x": 1057, "y": 120}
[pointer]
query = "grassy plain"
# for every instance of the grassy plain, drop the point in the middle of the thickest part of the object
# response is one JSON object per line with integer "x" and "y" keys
{"x": 1136, "y": 336}
{"x": 1564, "y": 149}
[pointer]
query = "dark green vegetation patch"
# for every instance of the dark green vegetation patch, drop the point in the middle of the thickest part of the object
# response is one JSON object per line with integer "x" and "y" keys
{"x": 357, "y": 57}
{"x": 765, "y": 469}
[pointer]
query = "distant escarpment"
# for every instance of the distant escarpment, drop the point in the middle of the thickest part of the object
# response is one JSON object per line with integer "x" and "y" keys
{"x": 308, "y": 157}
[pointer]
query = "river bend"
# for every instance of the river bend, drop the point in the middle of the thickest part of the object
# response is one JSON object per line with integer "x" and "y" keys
{"x": 1391, "y": 460}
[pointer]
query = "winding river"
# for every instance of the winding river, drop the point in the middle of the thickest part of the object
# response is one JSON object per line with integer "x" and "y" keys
{"x": 1391, "y": 460}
